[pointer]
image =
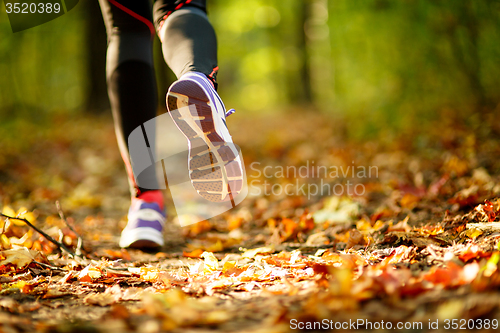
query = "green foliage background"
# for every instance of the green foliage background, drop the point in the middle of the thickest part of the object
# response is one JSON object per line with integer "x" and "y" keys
{"x": 376, "y": 64}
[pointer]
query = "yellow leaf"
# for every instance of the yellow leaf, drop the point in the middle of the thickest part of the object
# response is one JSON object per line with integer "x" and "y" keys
{"x": 260, "y": 250}
{"x": 4, "y": 242}
{"x": 20, "y": 257}
{"x": 19, "y": 285}
{"x": 473, "y": 233}
{"x": 216, "y": 247}
{"x": 21, "y": 213}
{"x": 379, "y": 224}
{"x": 363, "y": 225}
{"x": 149, "y": 274}
{"x": 24, "y": 214}
{"x": 210, "y": 261}
{"x": 228, "y": 265}
{"x": 8, "y": 211}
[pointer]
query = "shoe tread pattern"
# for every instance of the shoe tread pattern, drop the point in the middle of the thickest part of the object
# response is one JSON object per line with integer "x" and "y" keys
{"x": 213, "y": 171}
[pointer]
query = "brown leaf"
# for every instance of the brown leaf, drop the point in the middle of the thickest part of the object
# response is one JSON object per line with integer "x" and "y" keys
{"x": 29, "y": 307}
{"x": 55, "y": 293}
{"x": 9, "y": 304}
{"x": 119, "y": 311}
{"x": 355, "y": 238}
{"x": 401, "y": 226}
{"x": 455, "y": 224}
{"x": 132, "y": 294}
{"x": 66, "y": 277}
{"x": 110, "y": 296}
{"x": 318, "y": 238}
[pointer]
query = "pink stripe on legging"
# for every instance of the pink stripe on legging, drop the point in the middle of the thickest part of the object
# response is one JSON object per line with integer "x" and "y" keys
{"x": 179, "y": 6}
{"x": 135, "y": 15}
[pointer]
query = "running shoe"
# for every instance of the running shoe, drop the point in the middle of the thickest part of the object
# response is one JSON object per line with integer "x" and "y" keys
{"x": 146, "y": 219}
{"x": 215, "y": 167}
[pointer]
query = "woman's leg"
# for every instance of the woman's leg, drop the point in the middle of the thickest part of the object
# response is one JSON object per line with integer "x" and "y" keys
{"x": 188, "y": 39}
{"x": 132, "y": 93}
{"x": 129, "y": 71}
{"x": 189, "y": 47}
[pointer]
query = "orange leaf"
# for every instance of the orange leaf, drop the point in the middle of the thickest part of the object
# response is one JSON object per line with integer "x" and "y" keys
{"x": 472, "y": 252}
{"x": 235, "y": 223}
{"x": 400, "y": 253}
{"x": 430, "y": 229}
{"x": 197, "y": 228}
{"x": 123, "y": 254}
{"x": 290, "y": 228}
{"x": 409, "y": 201}
{"x": 193, "y": 254}
{"x": 452, "y": 275}
{"x": 306, "y": 222}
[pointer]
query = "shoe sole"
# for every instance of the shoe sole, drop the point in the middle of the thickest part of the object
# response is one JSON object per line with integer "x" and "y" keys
{"x": 141, "y": 238}
{"x": 213, "y": 169}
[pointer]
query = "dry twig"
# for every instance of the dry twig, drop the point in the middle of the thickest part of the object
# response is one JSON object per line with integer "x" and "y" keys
{"x": 61, "y": 247}
{"x": 48, "y": 266}
{"x": 79, "y": 245}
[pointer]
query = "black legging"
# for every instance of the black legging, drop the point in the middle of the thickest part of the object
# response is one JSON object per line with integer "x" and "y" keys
{"x": 188, "y": 44}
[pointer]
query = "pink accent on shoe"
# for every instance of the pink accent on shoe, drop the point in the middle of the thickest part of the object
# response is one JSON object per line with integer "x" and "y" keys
{"x": 211, "y": 77}
{"x": 152, "y": 196}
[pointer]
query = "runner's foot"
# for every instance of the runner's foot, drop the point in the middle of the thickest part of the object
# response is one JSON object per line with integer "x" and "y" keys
{"x": 215, "y": 167}
{"x": 146, "y": 218}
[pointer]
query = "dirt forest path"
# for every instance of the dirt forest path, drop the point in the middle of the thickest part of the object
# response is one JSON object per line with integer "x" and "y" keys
{"x": 416, "y": 249}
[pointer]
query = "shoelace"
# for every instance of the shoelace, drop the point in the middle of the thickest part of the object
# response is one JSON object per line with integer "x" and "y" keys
{"x": 230, "y": 112}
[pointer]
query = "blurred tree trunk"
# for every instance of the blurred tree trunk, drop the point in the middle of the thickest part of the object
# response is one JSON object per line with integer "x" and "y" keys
{"x": 473, "y": 66}
{"x": 298, "y": 78}
{"x": 305, "y": 92}
{"x": 463, "y": 34}
{"x": 97, "y": 96}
